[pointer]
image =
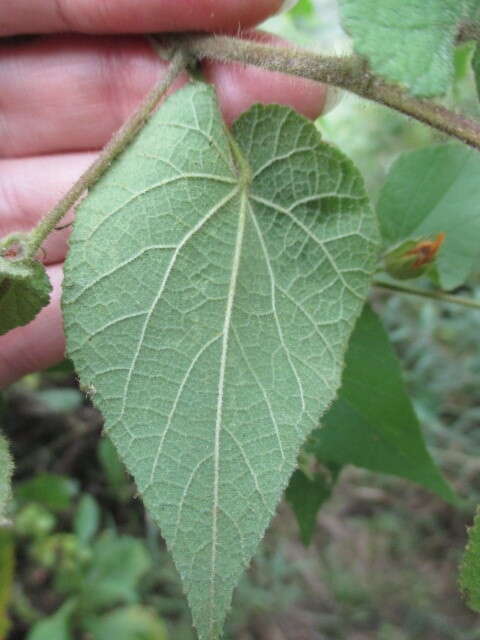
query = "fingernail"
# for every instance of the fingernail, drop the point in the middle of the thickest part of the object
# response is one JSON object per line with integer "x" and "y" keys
{"x": 287, "y": 5}
{"x": 333, "y": 99}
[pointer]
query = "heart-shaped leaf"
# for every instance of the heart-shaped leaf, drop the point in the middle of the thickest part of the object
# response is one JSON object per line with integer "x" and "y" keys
{"x": 210, "y": 291}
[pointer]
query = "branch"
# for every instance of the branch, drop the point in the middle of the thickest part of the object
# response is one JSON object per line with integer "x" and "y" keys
{"x": 424, "y": 293}
{"x": 117, "y": 144}
{"x": 347, "y": 72}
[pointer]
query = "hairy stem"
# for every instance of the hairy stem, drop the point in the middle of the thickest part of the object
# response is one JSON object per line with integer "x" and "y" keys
{"x": 116, "y": 145}
{"x": 347, "y": 72}
{"x": 424, "y": 293}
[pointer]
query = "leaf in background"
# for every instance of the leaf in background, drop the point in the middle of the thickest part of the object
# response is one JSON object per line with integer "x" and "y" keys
{"x": 7, "y": 563}
{"x": 56, "y": 626}
{"x": 409, "y": 42}
{"x": 469, "y": 578}
{"x": 62, "y": 400}
{"x": 53, "y": 491}
{"x": 372, "y": 424}
{"x": 87, "y": 518}
{"x": 306, "y": 495}
{"x": 434, "y": 190}
{"x": 130, "y": 623}
{"x": 209, "y": 295}
{"x": 476, "y": 67}
{"x": 116, "y": 567}
{"x": 24, "y": 291}
{"x": 6, "y": 470}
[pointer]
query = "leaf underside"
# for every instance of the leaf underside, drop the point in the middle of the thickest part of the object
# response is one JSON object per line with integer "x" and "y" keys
{"x": 409, "y": 42}
{"x": 209, "y": 294}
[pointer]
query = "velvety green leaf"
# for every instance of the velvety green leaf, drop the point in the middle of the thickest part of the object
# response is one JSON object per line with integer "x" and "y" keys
{"x": 435, "y": 190}
{"x": 372, "y": 423}
{"x": 117, "y": 565}
{"x": 7, "y": 563}
{"x": 469, "y": 579}
{"x": 210, "y": 291}
{"x": 130, "y": 623}
{"x": 410, "y": 42}
{"x": 24, "y": 291}
{"x": 56, "y": 626}
{"x": 306, "y": 495}
{"x": 48, "y": 489}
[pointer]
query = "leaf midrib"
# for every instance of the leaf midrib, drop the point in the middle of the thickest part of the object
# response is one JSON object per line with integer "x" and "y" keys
{"x": 221, "y": 384}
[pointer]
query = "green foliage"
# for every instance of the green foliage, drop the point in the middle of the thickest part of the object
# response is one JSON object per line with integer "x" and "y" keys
{"x": 476, "y": 67}
{"x": 113, "y": 469}
{"x": 24, "y": 291}
{"x": 410, "y": 42}
{"x": 87, "y": 518}
{"x": 304, "y": 9}
{"x": 55, "y": 626}
{"x": 213, "y": 329}
{"x": 111, "y": 573}
{"x": 470, "y": 568}
{"x": 53, "y": 491}
{"x": 60, "y": 400}
{"x": 95, "y": 574}
{"x": 214, "y": 280}
{"x": 129, "y": 623}
{"x": 372, "y": 424}
{"x": 307, "y": 493}
{"x": 6, "y": 468}
{"x": 7, "y": 563}
{"x": 436, "y": 190}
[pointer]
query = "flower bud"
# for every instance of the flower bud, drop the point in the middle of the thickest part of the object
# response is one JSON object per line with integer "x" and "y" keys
{"x": 413, "y": 258}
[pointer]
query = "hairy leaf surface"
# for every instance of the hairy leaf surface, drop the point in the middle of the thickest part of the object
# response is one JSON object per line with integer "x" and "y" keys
{"x": 210, "y": 291}
{"x": 372, "y": 423}
{"x": 436, "y": 189}
{"x": 410, "y": 42}
{"x": 24, "y": 291}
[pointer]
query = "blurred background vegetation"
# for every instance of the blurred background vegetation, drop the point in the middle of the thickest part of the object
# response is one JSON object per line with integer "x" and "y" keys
{"x": 382, "y": 565}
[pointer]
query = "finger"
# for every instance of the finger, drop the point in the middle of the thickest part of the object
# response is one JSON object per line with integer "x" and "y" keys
{"x": 37, "y": 345}
{"x": 71, "y": 92}
{"x": 30, "y": 187}
{"x": 125, "y": 16}
{"x": 76, "y": 91}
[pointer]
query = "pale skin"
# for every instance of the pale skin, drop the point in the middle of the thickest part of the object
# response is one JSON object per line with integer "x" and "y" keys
{"x": 64, "y": 95}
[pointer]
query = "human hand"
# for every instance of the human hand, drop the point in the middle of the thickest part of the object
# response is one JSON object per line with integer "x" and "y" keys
{"x": 63, "y": 96}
